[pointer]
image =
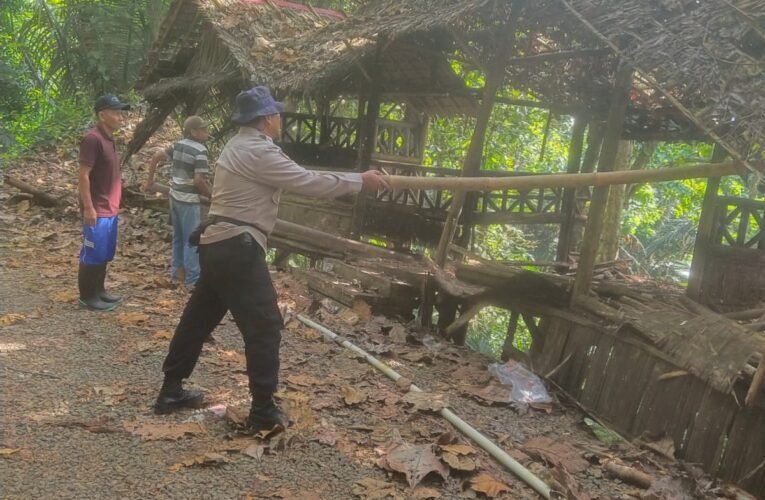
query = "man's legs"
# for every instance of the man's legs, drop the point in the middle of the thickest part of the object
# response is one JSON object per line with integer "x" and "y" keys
{"x": 113, "y": 230}
{"x": 253, "y": 303}
{"x": 98, "y": 247}
{"x": 186, "y": 218}
{"x": 202, "y": 313}
{"x": 178, "y": 246}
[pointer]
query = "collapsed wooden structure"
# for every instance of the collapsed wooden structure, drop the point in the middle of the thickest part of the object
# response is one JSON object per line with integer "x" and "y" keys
{"x": 625, "y": 70}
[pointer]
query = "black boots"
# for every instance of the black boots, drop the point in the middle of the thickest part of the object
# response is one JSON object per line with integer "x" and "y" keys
{"x": 172, "y": 396}
{"x": 90, "y": 280}
{"x": 102, "y": 293}
{"x": 265, "y": 416}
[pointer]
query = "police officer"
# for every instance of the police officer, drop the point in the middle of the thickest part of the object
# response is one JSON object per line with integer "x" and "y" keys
{"x": 252, "y": 172}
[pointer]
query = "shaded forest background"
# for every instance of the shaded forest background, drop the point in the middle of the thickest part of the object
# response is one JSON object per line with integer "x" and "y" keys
{"x": 58, "y": 54}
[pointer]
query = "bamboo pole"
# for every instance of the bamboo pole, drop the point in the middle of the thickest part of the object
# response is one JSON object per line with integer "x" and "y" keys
{"x": 498, "y": 453}
{"x": 495, "y": 76}
{"x": 608, "y": 153}
{"x": 526, "y": 182}
{"x": 568, "y": 205}
{"x": 704, "y": 233}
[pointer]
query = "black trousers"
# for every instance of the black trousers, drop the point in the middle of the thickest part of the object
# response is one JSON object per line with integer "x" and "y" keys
{"x": 234, "y": 277}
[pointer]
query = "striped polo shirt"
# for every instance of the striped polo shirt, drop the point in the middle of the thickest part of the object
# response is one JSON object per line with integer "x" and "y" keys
{"x": 189, "y": 158}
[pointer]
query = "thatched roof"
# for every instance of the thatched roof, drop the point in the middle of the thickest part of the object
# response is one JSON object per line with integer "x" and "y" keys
{"x": 291, "y": 48}
{"x": 709, "y": 56}
{"x": 699, "y": 64}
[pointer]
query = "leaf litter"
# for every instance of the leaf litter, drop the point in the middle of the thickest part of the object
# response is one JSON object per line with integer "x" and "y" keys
{"x": 337, "y": 401}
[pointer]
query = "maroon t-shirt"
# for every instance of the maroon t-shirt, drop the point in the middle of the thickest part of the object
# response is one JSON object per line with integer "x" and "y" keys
{"x": 99, "y": 151}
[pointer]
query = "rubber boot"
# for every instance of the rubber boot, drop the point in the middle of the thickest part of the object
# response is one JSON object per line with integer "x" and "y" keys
{"x": 266, "y": 416}
{"x": 172, "y": 396}
{"x": 87, "y": 279}
{"x": 102, "y": 293}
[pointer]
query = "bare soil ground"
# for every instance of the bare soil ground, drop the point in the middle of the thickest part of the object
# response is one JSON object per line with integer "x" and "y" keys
{"x": 77, "y": 389}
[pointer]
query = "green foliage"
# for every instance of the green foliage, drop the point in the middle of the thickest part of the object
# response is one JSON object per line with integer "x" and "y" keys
{"x": 58, "y": 55}
{"x": 488, "y": 330}
{"x": 45, "y": 123}
{"x": 661, "y": 219}
{"x": 498, "y": 242}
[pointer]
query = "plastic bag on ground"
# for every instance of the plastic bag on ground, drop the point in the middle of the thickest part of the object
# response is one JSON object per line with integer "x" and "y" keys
{"x": 527, "y": 387}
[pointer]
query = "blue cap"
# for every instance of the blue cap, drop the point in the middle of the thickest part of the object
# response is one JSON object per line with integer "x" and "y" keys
{"x": 253, "y": 103}
{"x": 110, "y": 101}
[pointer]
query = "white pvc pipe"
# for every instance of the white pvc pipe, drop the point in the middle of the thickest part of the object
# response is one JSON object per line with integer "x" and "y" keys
{"x": 495, "y": 451}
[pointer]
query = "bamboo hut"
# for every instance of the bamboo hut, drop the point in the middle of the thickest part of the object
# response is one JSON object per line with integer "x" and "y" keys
{"x": 645, "y": 359}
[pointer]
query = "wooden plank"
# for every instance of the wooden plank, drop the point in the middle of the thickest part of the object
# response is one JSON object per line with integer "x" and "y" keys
{"x": 624, "y": 385}
{"x": 745, "y": 450}
{"x": 596, "y": 373}
{"x": 668, "y": 406}
{"x": 547, "y": 350}
{"x": 371, "y": 279}
{"x": 338, "y": 290}
{"x": 707, "y": 435}
{"x": 581, "y": 346}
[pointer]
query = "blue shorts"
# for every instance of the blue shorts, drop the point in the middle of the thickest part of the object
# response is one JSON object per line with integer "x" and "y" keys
{"x": 99, "y": 242}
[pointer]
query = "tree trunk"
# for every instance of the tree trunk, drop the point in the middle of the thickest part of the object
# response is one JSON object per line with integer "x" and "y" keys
{"x": 612, "y": 219}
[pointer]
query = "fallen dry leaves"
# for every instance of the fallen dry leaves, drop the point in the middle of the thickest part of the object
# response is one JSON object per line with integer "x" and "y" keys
{"x": 132, "y": 318}
{"x": 414, "y": 461}
{"x": 456, "y": 457}
{"x": 373, "y": 489}
{"x": 426, "y": 401}
{"x": 353, "y": 396}
{"x": 556, "y": 453}
{"x": 488, "y": 485}
{"x": 11, "y": 319}
{"x": 493, "y": 393}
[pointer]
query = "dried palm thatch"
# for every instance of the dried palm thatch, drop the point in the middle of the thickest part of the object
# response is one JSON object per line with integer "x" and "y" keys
{"x": 699, "y": 64}
{"x": 706, "y": 58}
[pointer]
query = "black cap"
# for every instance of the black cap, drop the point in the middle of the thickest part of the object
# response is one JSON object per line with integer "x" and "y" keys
{"x": 110, "y": 101}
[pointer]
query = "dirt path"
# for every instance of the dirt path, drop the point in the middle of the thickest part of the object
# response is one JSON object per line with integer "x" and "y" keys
{"x": 76, "y": 390}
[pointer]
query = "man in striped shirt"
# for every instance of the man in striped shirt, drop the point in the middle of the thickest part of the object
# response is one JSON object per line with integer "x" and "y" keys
{"x": 189, "y": 181}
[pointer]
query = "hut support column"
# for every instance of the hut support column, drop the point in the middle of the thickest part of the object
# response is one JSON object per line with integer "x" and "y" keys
{"x": 568, "y": 204}
{"x": 594, "y": 228}
{"x": 472, "y": 163}
{"x": 368, "y": 136}
{"x": 704, "y": 234}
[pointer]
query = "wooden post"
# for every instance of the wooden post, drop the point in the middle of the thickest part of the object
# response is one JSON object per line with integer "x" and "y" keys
{"x": 512, "y": 326}
{"x": 614, "y": 126}
{"x": 608, "y": 248}
{"x": 704, "y": 233}
{"x": 323, "y": 110}
{"x": 367, "y": 137}
{"x": 368, "y": 131}
{"x": 568, "y": 204}
{"x": 423, "y": 135}
{"x": 472, "y": 164}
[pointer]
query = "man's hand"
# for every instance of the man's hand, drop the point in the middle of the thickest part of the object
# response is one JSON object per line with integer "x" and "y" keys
{"x": 89, "y": 216}
{"x": 373, "y": 181}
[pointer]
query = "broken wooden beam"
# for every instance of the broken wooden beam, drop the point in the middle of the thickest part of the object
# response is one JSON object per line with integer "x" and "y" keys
{"x": 757, "y": 381}
{"x": 295, "y": 236}
{"x": 40, "y": 196}
{"x": 745, "y": 314}
{"x": 526, "y": 182}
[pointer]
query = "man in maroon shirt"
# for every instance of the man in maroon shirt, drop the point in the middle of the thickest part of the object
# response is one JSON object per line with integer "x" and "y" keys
{"x": 100, "y": 188}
